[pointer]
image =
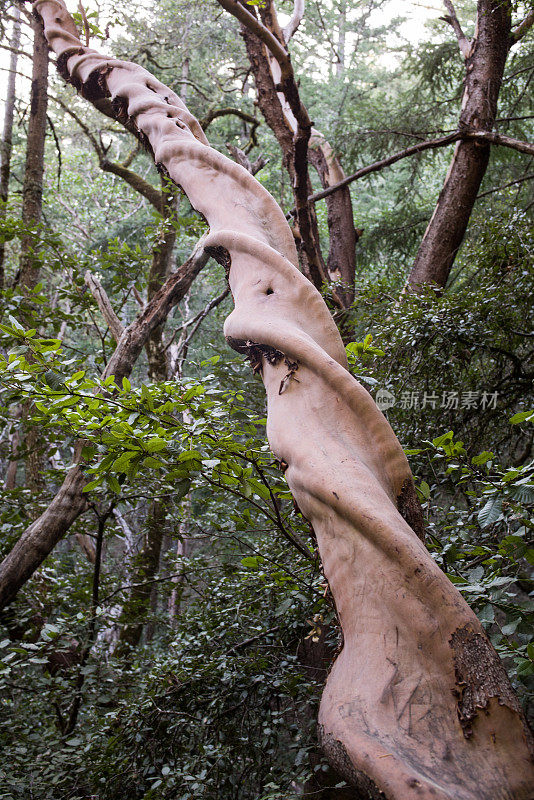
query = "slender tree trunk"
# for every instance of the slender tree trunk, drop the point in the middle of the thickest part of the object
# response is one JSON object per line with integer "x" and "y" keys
{"x": 343, "y": 235}
{"x": 185, "y": 77}
{"x": 485, "y": 63}
{"x": 417, "y": 705}
{"x": 32, "y": 191}
{"x": 144, "y": 569}
{"x": 341, "y": 261}
{"x": 159, "y": 270}
{"x": 341, "y": 38}
{"x": 7, "y": 135}
{"x": 14, "y": 442}
{"x": 145, "y": 566}
{"x": 32, "y": 195}
{"x": 284, "y": 125}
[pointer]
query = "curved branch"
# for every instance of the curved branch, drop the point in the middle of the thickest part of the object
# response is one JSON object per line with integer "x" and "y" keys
{"x": 139, "y": 184}
{"x": 206, "y": 121}
{"x": 296, "y": 18}
{"x": 401, "y": 711}
{"x": 524, "y": 26}
{"x": 153, "y": 195}
{"x": 430, "y": 144}
{"x": 253, "y": 24}
{"x": 464, "y": 43}
{"x": 106, "y": 309}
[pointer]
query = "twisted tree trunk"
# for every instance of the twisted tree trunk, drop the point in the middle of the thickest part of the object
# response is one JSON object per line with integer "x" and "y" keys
{"x": 485, "y": 57}
{"x": 417, "y": 704}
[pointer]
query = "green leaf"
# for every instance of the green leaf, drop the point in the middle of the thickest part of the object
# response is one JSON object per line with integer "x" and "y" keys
{"x": 154, "y": 445}
{"x": 424, "y": 488}
{"x": 491, "y": 511}
{"x": 113, "y": 484}
{"x": 522, "y": 416}
{"x": 251, "y": 561}
{"x": 122, "y": 463}
{"x": 441, "y": 440}
{"x": 92, "y": 485}
{"x": 482, "y": 458}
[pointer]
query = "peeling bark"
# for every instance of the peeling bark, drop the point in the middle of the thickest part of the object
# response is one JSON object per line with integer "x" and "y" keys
{"x": 485, "y": 61}
{"x": 388, "y": 711}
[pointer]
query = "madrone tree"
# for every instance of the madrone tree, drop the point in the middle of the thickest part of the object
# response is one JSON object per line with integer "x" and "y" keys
{"x": 417, "y": 704}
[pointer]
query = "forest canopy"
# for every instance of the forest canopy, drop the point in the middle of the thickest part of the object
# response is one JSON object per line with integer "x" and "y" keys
{"x": 183, "y": 563}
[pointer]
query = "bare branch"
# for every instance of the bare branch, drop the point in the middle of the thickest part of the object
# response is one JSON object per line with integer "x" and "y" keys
{"x": 102, "y": 300}
{"x": 136, "y": 149}
{"x": 442, "y": 141}
{"x": 524, "y": 26}
{"x": 134, "y": 180}
{"x": 506, "y": 186}
{"x": 263, "y": 33}
{"x": 464, "y": 43}
{"x": 500, "y": 140}
{"x": 181, "y": 353}
{"x": 294, "y": 22}
{"x": 241, "y": 157}
{"x": 226, "y": 112}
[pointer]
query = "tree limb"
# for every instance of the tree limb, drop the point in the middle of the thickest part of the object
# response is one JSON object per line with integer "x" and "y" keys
{"x": 442, "y": 141}
{"x": 142, "y": 186}
{"x": 102, "y": 300}
{"x": 294, "y": 22}
{"x": 225, "y": 112}
{"x": 180, "y": 354}
{"x": 506, "y": 186}
{"x": 281, "y": 105}
{"x": 154, "y": 197}
{"x": 263, "y": 33}
{"x": 241, "y": 157}
{"x": 524, "y": 26}
{"x": 464, "y": 43}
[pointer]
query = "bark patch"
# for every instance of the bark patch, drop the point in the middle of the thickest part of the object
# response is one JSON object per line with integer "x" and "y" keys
{"x": 480, "y": 676}
{"x": 410, "y": 509}
{"x": 338, "y": 757}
